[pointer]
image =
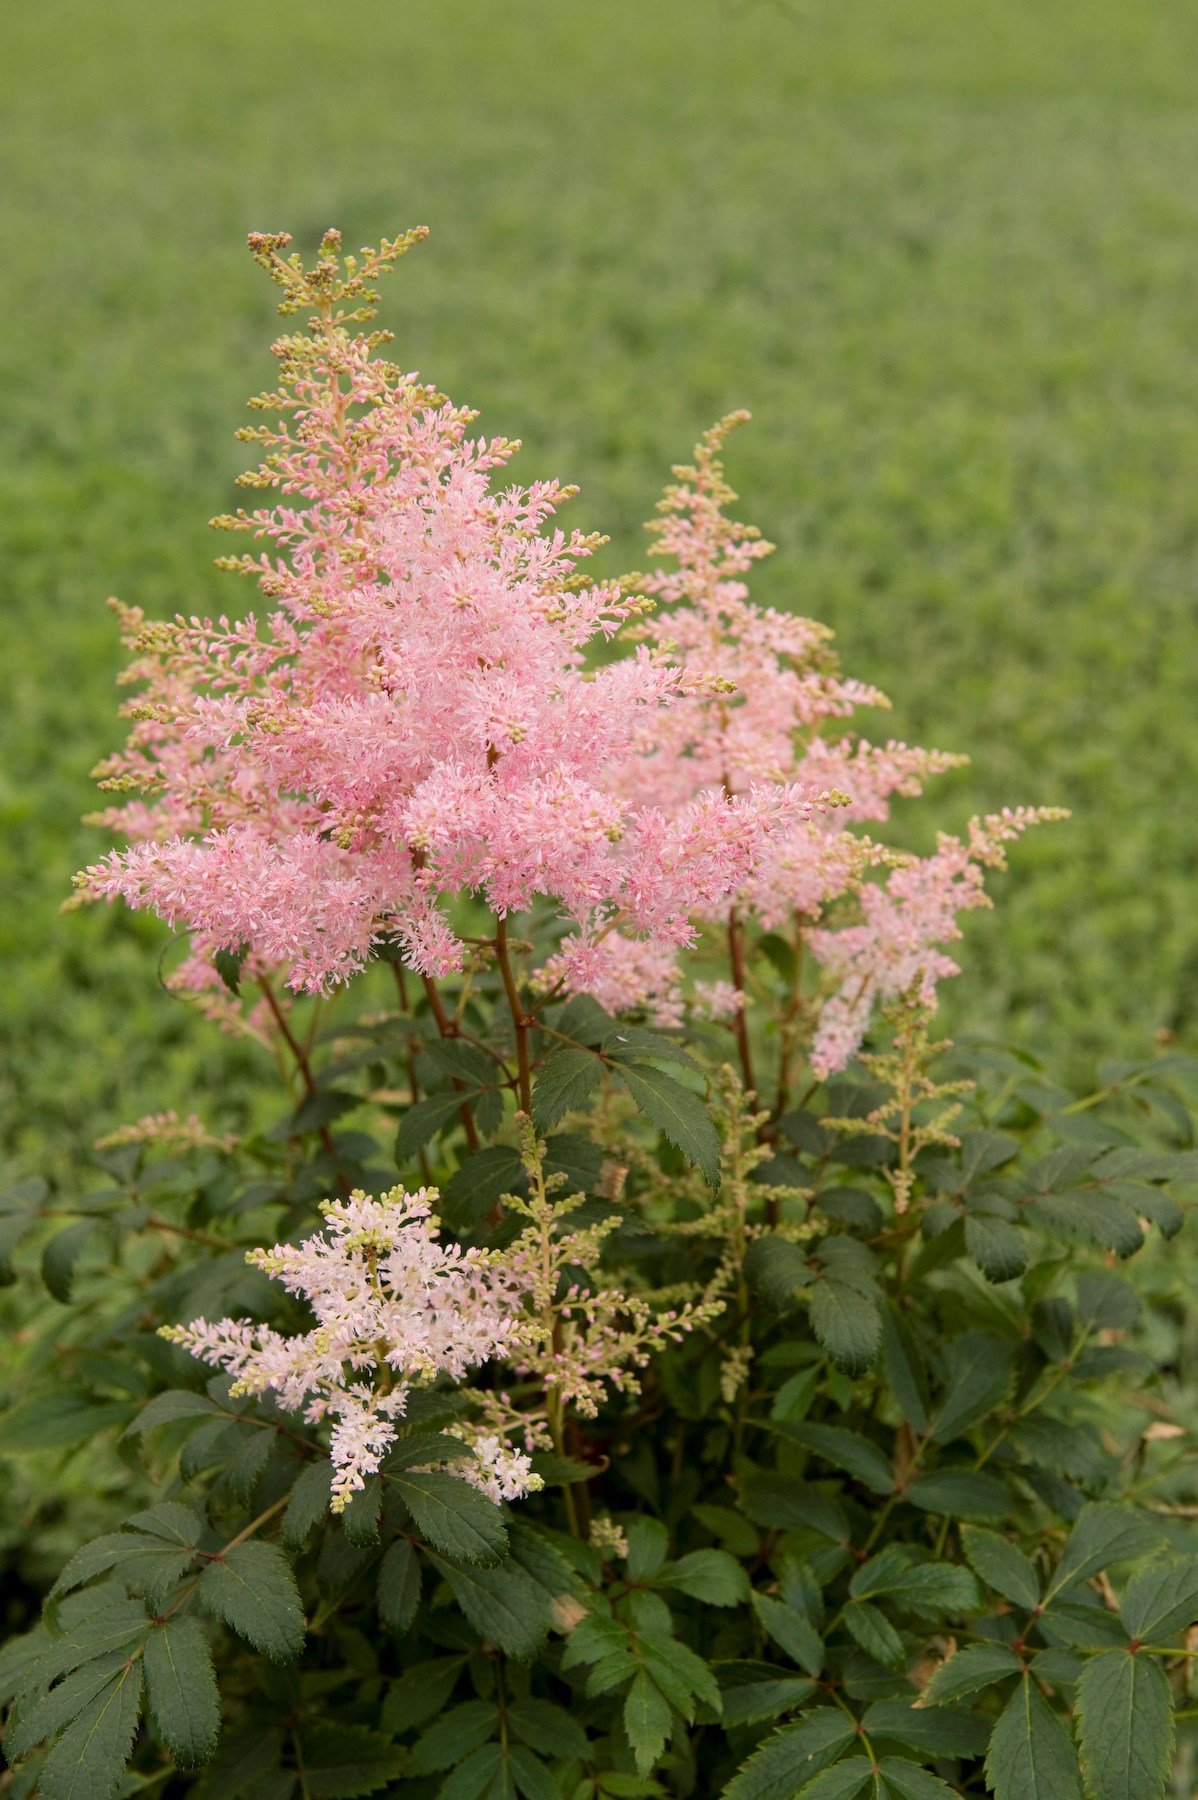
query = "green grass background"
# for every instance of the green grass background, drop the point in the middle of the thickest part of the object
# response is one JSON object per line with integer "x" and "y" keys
{"x": 946, "y": 253}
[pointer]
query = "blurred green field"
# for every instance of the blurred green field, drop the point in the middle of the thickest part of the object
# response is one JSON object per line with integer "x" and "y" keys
{"x": 947, "y": 254}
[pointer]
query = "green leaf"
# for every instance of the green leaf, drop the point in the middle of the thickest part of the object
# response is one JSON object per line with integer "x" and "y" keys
{"x": 1090, "y": 1216}
{"x": 678, "y": 1113}
{"x": 1031, "y": 1756}
{"x": 423, "y": 1120}
{"x": 709, "y": 1575}
{"x": 482, "y": 1773}
{"x": 399, "y": 1586}
{"x": 227, "y": 964}
{"x": 308, "y": 1503}
{"x": 843, "y": 1781}
{"x": 903, "y": 1369}
{"x": 33, "y": 1721}
{"x": 791, "y": 1632}
{"x": 933, "y": 1731}
{"x": 961, "y": 1493}
{"x": 1125, "y": 1726}
{"x": 62, "y": 1253}
{"x": 575, "y": 1157}
{"x": 875, "y": 1634}
{"x": 563, "y": 1084}
{"x": 632, "y": 1043}
{"x": 1083, "y": 1625}
{"x": 844, "y": 1450}
{"x": 341, "y": 1761}
{"x": 181, "y": 1689}
{"x": 546, "y": 1728}
{"x": 56, "y": 1420}
{"x": 360, "y": 1517}
{"x": 503, "y": 1603}
{"x": 785, "y": 1504}
{"x": 682, "y": 1676}
{"x": 647, "y": 1721}
{"x": 929, "y": 1588}
{"x": 531, "y": 1777}
{"x": 999, "y": 1248}
{"x": 420, "y": 1692}
{"x": 648, "y": 1547}
{"x": 1001, "y": 1566}
{"x": 794, "y": 1755}
{"x": 89, "y": 1758}
{"x": 253, "y": 1590}
{"x": 777, "y": 1270}
{"x": 1104, "y": 1534}
{"x": 981, "y": 1375}
{"x": 793, "y": 1400}
{"x": 477, "y": 1186}
{"x": 453, "y": 1516}
{"x": 913, "y": 1783}
{"x": 754, "y": 1692}
{"x": 176, "y": 1403}
{"x": 1162, "y": 1600}
{"x": 455, "y": 1735}
{"x": 968, "y": 1671}
{"x": 847, "y": 1323}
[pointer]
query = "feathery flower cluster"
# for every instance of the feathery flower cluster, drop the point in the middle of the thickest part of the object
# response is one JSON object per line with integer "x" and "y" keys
{"x": 413, "y": 718}
{"x": 773, "y": 687}
{"x": 393, "y": 1307}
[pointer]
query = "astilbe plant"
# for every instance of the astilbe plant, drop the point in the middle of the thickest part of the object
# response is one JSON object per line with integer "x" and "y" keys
{"x": 738, "y": 1392}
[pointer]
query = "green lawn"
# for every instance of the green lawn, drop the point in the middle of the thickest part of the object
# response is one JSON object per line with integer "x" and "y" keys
{"x": 946, "y": 253}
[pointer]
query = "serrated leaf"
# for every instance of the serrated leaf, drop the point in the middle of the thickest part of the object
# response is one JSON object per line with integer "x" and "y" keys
{"x": 360, "y": 1517}
{"x": 453, "y": 1516}
{"x": 1031, "y": 1756}
{"x": 791, "y": 1632}
{"x": 1001, "y": 1566}
{"x": 307, "y": 1504}
{"x": 903, "y": 1369}
{"x": 480, "y": 1776}
{"x": 57, "y": 1420}
{"x": 777, "y": 1270}
{"x": 680, "y": 1115}
{"x": 62, "y": 1253}
{"x": 474, "y": 1188}
{"x": 682, "y": 1676}
{"x": 399, "y": 1586}
{"x": 646, "y": 1721}
{"x": 1106, "y": 1301}
{"x": 1083, "y": 1625}
{"x": 546, "y": 1728}
{"x": 933, "y": 1731}
{"x": 970, "y": 1670}
{"x": 1104, "y": 1534}
{"x": 530, "y": 1775}
{"x": 755, "y": 1692}
{"x": 35, "y": 1720}
{"x": 961, "y": 1494}
{"x": 181, "y": 1689}
{"x": 563, "y": 1084}
{"x": 341, "y": 1761}
{"x": 793, "y": 1756}
{"x": 843, "y": 1781}
{"x": 89, "y": 1758}
{"x": 648, "y": 1546}
{"x": 876, "y": 1635}
{"x": 1161, "y": 1600}
{"x": 503, "y": 1603}
{"x": 423, "y": 1120}
{"x": 1090, "y": 1216}
{"x": 420, "y": 1692}
{"x": 981, "y": 1375}
{"x": 928, "y": 1588}
{"x": 847, "y": 1323}
{"x": 1125, "y": 1726}
{"x": 844, "y": 1449}
{"x": 786, "y": 1504}
{"x": 708, "y": 1575}
{"x": 111, "y": 1624}
{"x": 999, "y": 1248}
{"x": 253, "y": 1590}
{"x": 176, "y": 1403}
{"x": 455, "y": 1735}
{"x": 910, "y": 1782}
